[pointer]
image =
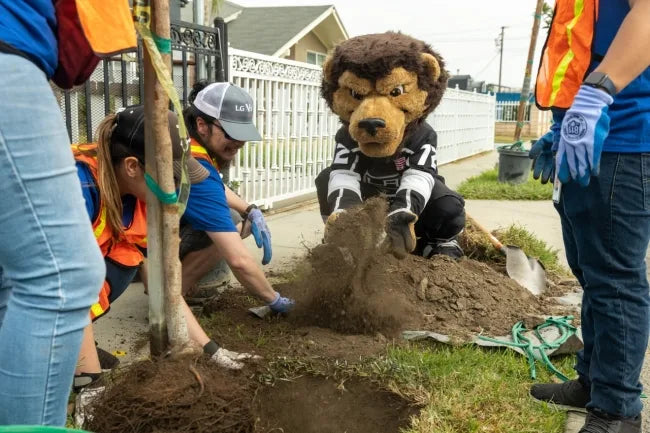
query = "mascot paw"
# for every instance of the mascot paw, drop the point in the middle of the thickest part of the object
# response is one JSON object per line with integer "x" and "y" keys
{"x": 400, "y": 232}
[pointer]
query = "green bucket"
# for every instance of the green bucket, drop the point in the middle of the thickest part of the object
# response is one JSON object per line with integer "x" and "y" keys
{"x": 37, "y": 429}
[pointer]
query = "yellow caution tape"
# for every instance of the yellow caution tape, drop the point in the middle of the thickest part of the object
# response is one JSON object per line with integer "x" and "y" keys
{"x": 142, "y": 18}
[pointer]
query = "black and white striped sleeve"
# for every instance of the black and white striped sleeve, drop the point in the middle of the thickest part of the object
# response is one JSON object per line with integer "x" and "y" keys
{"x": 418, "y": 179}
{"x": 344, "y": 188}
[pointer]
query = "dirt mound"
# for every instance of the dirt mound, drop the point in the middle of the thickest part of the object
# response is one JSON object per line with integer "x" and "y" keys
{"x": 352, "y": 285}
{"x": 312, "y": 404}
{"x": 175, "y": 396}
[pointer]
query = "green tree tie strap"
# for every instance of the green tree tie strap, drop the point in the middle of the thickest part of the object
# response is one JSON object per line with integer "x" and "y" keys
{"x": 165, "y": 197}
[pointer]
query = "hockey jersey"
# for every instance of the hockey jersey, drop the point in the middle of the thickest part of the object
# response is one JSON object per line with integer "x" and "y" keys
{"x": 407, "y": 177}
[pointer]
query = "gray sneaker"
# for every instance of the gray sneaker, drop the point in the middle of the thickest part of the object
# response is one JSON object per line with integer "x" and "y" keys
{"x": 571, "y": 394}
{"x": 449, "y": 248}
{"x": 601, "y": 423}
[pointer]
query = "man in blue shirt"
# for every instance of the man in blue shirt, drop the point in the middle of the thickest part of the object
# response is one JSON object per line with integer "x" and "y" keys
{"x": 603, "y": 164}
{"x": 220, "y": 121}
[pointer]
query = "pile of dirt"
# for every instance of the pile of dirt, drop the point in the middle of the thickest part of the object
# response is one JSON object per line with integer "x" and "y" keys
{"x": 165, "y": 396}
{"x": 353, "y": 285}
{"x": 314, "y": 404}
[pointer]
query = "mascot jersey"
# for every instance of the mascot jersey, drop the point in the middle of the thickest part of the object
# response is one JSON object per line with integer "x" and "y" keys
{"x": 407, "y": 177}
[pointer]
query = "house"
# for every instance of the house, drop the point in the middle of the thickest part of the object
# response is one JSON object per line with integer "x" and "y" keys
{"x": 301, "y": 33}
{"x": 465, "y": 82}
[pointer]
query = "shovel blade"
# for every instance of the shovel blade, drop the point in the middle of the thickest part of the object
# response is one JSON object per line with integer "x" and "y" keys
{"x": 528, "y": 272}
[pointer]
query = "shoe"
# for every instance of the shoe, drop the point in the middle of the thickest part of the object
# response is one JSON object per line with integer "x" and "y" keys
{"x": 107, "y": 361}
{"x": 570, "y": 394}
{"x": 601, "y": 423}
{"x": 84, "y": 380}
{"x": 449, "y": 248}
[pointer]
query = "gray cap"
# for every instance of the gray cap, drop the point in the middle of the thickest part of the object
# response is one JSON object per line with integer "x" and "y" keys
{"x": 232, "y": 107}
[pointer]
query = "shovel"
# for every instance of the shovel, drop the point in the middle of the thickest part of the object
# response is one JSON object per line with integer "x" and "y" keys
{"x": 528, "y": 272}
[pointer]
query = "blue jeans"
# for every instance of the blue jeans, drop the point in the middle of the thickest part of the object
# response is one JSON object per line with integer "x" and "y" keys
{"x": 51, "y": 268}
{"x": 606, "y": 228}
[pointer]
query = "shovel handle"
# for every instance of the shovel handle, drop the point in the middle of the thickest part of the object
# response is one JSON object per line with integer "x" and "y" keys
{"x": 498, "y": 245}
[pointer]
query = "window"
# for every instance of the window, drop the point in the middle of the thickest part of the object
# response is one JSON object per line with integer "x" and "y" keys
{"x": 315, "y": 58}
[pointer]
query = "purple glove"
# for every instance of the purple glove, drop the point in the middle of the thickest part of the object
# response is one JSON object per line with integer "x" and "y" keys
{"x": 281, "y": 304}
{"x": 584, "y": 129}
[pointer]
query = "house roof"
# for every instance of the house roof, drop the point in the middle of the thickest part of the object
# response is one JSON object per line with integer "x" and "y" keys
{"x": 272, "y": 30}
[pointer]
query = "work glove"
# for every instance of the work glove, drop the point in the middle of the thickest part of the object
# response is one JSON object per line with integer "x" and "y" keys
{"x": 231, "y": 360}
{"x": 400, "y": 232}
{"x": 260, "y": 231}
{"x": 584, "y": 129}
{"x": 281, "y": 304}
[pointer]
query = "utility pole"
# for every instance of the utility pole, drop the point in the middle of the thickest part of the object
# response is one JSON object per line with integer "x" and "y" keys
{"x": 529, "y": 67}
{"x": 501, "y": 55}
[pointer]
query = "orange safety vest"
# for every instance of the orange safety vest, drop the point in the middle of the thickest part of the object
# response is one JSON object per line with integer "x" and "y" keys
{"x": 122, "y": 250}
{"x": 200, "y": 152}
{"x": 567, "y": 53}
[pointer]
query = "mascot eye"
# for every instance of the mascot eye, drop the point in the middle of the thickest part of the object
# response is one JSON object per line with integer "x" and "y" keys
{"x": 355, "y": 95}
{"x": 397, "y": 91}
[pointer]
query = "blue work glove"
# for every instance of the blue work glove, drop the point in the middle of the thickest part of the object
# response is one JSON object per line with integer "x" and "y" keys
{"x": 260, "y": 232}
{"x": 281, "y": 304}
{"x": 584, "y": 129}
{"x": 543, "y": 152}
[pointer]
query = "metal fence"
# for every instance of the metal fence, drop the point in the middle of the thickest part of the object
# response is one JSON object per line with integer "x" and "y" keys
{"x": 506, "y": 111}
{"x": 118, "y": 81}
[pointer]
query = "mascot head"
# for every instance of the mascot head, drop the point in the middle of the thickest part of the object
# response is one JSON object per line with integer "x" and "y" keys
{"x": 380, "y": 85}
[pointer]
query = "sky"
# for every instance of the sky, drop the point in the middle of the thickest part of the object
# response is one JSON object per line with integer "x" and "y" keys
{"x": 462, "y": 31}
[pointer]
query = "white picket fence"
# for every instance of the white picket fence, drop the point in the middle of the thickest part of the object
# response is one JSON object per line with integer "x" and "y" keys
{"x": 298, "y": 128}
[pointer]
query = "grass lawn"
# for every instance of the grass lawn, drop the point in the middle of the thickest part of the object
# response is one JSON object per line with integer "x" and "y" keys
{"x": 485, "y": 186}
{"x": 460, "y": 389}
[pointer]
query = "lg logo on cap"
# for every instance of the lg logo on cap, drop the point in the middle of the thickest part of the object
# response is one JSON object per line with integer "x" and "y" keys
{"x": 245, "y": 107}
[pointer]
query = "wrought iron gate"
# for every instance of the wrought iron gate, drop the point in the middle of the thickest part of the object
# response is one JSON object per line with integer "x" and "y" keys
{"x": 198, "y": 52}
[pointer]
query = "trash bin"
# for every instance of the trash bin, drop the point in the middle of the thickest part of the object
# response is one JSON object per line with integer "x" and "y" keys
{"x": 514, "y": 164}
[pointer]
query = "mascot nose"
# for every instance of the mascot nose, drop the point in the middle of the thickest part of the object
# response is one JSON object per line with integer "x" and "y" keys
{"x": 371, "y": 124}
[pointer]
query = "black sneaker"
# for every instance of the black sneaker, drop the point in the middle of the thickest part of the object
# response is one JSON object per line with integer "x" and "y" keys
{"x": 601, "y": 423}
{"x": 571, "y": 394}
{"x": 107, "y": 361}
{"x": 449, "y": 248}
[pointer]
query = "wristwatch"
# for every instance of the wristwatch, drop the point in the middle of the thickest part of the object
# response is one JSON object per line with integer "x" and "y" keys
{"x": 600, "y": 80}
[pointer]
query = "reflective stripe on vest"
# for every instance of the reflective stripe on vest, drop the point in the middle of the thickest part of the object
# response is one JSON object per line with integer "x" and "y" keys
{"x": 567, "y": 53}
{"x": 101, "y": 306}
{"x": 199, "y": 152}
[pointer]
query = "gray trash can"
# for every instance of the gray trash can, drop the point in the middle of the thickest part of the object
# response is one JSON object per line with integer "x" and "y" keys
{"x": 514, "y": 164}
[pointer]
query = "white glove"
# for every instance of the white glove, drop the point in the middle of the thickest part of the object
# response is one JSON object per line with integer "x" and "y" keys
{"x": 229, "y": 359}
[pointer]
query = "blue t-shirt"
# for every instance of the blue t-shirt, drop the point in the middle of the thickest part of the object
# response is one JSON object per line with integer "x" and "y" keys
{"x": 207, "y": 207}
{"x": 29, "y": 26}
{"x": 630, "y": 112}
{"x": 91, "y": 196}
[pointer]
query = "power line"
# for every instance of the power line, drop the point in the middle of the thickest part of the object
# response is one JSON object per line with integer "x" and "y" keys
{"x": 487, "y": 65}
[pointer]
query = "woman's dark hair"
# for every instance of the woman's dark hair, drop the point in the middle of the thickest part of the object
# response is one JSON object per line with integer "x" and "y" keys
{"x": 191, "y": 113}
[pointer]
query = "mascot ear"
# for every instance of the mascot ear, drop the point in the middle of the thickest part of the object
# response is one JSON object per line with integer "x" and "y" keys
{"x": 432, "y": 63}
{"x": 327, "y": 68}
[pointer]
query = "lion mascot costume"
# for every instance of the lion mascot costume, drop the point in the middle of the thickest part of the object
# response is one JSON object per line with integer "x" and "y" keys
{"x": 383, "y": 87}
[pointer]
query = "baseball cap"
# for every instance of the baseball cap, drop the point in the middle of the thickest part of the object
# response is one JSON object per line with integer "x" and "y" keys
{"x": 232, "y": 106}
{"x": 129, "y": 131}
